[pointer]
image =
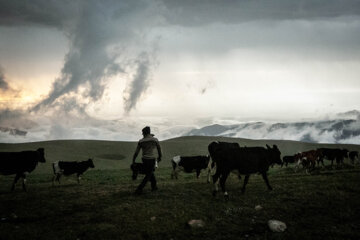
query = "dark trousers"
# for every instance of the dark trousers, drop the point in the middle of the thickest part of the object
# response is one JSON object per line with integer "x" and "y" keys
{"x": 149, "y": 165}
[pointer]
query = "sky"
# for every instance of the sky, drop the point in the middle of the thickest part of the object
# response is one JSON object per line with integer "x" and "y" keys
{"x": 85, "y": 64}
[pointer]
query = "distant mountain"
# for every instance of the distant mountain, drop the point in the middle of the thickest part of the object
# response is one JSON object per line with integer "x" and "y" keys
{"x": 327, "y": 131}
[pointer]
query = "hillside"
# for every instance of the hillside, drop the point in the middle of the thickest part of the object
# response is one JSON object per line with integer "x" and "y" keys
{"x": 320, "y": 205}
{"x": 118, "y": 155}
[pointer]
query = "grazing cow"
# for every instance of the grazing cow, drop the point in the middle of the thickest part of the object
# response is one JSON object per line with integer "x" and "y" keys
{"x": 228, "y": 157}
{"x": 332, "y": 154}
{"x": 287, "y": 160}
{"x": 353, "y": 155}
{"x": 69, "y": 168}
{"x": 190, "y": 164}
{"x": 20, "y": 163}
{"x": 137, "y": 168}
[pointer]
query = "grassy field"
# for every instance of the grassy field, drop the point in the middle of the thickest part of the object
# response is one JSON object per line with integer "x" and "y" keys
{"x": 322, "y": 205}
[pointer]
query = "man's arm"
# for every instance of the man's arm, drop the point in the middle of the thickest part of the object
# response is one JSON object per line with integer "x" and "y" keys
{"x": 136, "y": 152}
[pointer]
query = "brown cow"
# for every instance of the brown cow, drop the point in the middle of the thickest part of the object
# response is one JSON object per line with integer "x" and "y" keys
{"x": 309, "y": 159}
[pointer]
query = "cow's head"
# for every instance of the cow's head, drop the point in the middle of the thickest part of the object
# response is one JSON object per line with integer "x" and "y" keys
{"x": 136, "y": 168}
{"x": 91, "y": 164}
{"x": 275, "y": 154}
{"x": 41, "y": 154}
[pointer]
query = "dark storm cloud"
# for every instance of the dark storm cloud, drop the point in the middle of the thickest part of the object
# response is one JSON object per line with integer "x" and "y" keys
{"x": 43, "y": 12}
{"x": 193, "y": 13}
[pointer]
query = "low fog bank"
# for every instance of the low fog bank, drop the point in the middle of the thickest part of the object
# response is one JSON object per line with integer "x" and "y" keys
{"x": 16, "y": 127}
{"x": 340, "y": 128}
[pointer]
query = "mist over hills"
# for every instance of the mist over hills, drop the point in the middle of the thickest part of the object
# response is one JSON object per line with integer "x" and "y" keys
{"x": 338, "y": 128}
{"x": 345, "y": 129}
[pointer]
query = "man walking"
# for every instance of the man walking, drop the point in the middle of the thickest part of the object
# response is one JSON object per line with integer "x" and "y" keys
{"x": 148, "y": 144}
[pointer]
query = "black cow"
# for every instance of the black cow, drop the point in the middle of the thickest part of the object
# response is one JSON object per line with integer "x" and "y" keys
{"x": 137, "y": 168}
{"x": 287, "y": 160}
{"x": 190, "y": 164}
{"x": 20, "y": 163}
{"x": 69, "y": 168}
{"x": 353, "y": 155}
{"x": 332, "y": 154}
{"x": 228, "y": 157}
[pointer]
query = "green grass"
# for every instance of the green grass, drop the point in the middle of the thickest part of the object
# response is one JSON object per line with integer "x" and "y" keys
{"x": 322, "y": 205}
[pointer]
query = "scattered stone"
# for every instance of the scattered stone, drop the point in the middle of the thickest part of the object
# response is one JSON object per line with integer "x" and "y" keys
{"x": 276, "y": 225}
{"x": 258, "y": 207}
{"x": 13, "y": 216}
{"x": 3, "y": 219}
{"x": 196, "y": 223}
{"x": 153, "y": 218}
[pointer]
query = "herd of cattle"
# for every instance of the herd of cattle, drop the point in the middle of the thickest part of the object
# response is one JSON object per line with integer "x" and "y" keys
{"x": 223, "y": 158}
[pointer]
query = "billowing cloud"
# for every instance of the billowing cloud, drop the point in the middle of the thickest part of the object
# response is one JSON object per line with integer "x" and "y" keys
{"x": 140, "y": 83}
{"x": 101, "y": 36}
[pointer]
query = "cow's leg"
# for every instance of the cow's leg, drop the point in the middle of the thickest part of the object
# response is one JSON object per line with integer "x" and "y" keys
{"x": 264, "y": 175}
{"x": 197, "y": 173}
{"x": 297, "y": 165}
{"x": 176, "y": 173}
{"x": 246, "y": 180}
{"x": 312, "y": 164}
{"x": 54, "y": 179}
{"x": 17, "y": 177}
{"x": 208, "y": 175}
{"x": 223, "y": 178}
{"x": 215, "y": 178}
{"x": 58, "y": 176}
{"x": 173, "y": 174}
{"x": 239, "y": 176}
{"x": 23, "y": 176}
{"x": 208, "y": 172}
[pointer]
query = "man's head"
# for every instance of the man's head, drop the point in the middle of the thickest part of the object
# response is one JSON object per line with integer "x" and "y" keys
{"x": 146, "y": 130}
